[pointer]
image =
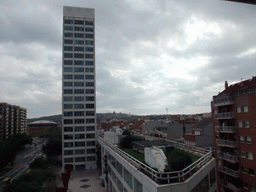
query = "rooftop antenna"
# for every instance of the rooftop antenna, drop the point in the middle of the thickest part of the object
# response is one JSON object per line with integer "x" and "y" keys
{"x": 166, "y": 110}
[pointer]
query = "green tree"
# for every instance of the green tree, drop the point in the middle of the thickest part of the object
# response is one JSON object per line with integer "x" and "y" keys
{"x": 178, "y": 160}
{"x": 38, "y": 163}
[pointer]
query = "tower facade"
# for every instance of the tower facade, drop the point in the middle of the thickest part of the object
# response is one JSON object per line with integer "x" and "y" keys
{"x": 234, "y": 122}
{"x": 78, "y": 88}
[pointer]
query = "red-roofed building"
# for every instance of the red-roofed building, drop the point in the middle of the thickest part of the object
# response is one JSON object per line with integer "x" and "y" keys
{"x": 234, "y": 125}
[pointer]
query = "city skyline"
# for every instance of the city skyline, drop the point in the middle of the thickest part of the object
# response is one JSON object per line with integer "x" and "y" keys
{"x": 149, "y": 55}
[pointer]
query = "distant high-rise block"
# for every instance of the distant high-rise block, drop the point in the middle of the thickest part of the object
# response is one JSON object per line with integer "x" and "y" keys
{"x": 234, "y": 126}
{"x": 78, "y": 88}
{"x": 12, "y": 120}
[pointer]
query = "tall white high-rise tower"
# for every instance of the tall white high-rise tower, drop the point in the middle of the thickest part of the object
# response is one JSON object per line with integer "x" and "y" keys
{"x": 78, "y": 88}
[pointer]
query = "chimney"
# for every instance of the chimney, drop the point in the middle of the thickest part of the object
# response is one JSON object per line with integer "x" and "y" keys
{"x": 226, "y": 84}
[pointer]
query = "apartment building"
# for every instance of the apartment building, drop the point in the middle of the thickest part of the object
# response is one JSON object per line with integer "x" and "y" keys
{"x": 12, "y": 120}
{"x": 234, "y": 125}
{"x": 78, "y": 88}
{"x": 124, "y": 173}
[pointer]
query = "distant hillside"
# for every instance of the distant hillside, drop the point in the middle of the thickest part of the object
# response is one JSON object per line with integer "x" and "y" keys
{"x": 54, "y": 118}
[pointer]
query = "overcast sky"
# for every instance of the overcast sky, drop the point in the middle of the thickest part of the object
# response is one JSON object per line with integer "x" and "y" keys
{"x": 150, "y": 54}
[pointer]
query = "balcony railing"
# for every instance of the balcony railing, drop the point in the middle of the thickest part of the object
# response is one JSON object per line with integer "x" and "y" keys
{"x": 229, "y": 171}
{"x": 166, "y": 177}
{"x": 229, "y": 185}
{"x": 226, "y": 143}
{"x": 221, "y": 101}
{"x": 228, "y": 157}
{"x": 225, "y": 115}
{"x": 225, "y": 129}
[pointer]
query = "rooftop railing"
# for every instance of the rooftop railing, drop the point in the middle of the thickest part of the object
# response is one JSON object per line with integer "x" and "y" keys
{"x": 224, "y": 115}
{"x": 165, "y": 177}
{"x": 225, "y": 129}
{"x": 223, "y": 100}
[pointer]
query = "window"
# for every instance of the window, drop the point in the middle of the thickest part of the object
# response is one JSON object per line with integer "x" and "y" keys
{"x": 79, "y": 151}
{"x": 68, "y": 28}
{"x": 78, "y": 76}
{"x": 68, "y": 34}
{"x": 79, "y": 113}
{"x": 79, "y": 22}
{"x": 78, "y": 98}
{"x": 89, "y": 76}
{"x": 240, "y": 124}
{"x": 241, "y": 138}
{"x": 89, "y": 49}
{"x": 89, "y": 63}
{"x": 66, "y": 137}
{"x": 68, "y": 41}
{"x": 90, "y": 143}
{"x": 247, "y": 124}
{"x": 90, "y": 121}
{"x": 67, "y": 84}
{"x": 90, "y": 29}
{"x": 68, "y": 129}
{"x": 78, "y": 62}
{"x": 238, "y": 109}
{"x": 128, "y": 178}
{"x": 79, "y": 136}
{"x": 79, "y": 121}
{"x": 68, "y": 106}
{"x": 80, "y": 144}
{"x": 68, "y": 62}
{"x": 246, "y": 185}
{"x": 248, "y": 139}
{"x": 91, "y": 158}
{"x": 243, "y": 154}
{"x": 79, "y": 128}
{"x": 89, "y": 70}
{"x": 89, "y": 106}
{"x": 90, "y": 151}
{"x": 79, "y": 106}
{"x": 67, "y": 69}
{"x": 68, "y": 152}
{"x": 88, "y": 35}
{"x": 89, "y": 56}
{"x": 68, "y": 121}
{"x": 89, "y": 91}
{"x": 88, "y": 22}
{"x": 78, "y": 55}
{"x": 68, "y": 160}
{"x": 245, "y": 108}
{"x": 250, "y": 156}
{"x": 68, "y": 113}
{"x": 78, "y": 48}
{"x": 68, "y": 91}
{"x": 78, "y": 42}
{"x": 251, "y": 171}
{"x": 68, "y": 76}
{"x": 79, "y": 91}
{"x": 88, "y": 42}
{"x": 89, "y": 84}
{"x": 68, "y": 144}
{"x": 68, "y": 98}
{"x": 244, "y": 169}
{"x": 78, "y": 84}
{"x": 253, "y": 188}
{"x": 90, "y": 128}
{"x": 68, "y": 55}
{"x": 78, "y": 69}
{"x": 68, "y": 21}
{"x": 90, "y": 135}
{"x": 89, "y": 113}
{"x": 79, "y": 29}
{"x": 68, "y": 48}
{"x": 89, "y": 98}
{"x": 79, "y": 35}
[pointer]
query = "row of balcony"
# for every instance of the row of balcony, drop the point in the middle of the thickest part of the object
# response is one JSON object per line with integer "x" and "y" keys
{"x": 226, "y": 143}
{"x": 224, "y": 115}
{"x": 228, "y": 157}
{"x": 221, "y": 101}
{"x": 225, "y": 129}
{"x": 229, "y": 171}
{"x": 229, "y": 185}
